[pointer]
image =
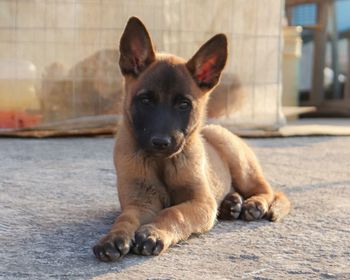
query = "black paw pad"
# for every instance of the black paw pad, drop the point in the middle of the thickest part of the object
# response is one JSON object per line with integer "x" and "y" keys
{"x": 147, "y": 245}
{"x": 253, "y": 210}
{"x": 231, "y": 207}
{"x": 111, "y": 248}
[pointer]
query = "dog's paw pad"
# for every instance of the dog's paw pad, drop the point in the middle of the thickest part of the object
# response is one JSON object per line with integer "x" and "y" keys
{"x": 148, "y": 242}
{"x": 112, "y": 247}
{"x": 253, "y": 209}
{"x": 231, "y": 207}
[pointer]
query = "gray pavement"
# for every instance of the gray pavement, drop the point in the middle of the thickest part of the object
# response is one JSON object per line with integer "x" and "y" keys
{"x": 58, "y": 196}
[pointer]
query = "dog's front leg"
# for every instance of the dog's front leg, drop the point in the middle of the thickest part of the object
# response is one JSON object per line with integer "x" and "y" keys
{"x": 119, "y": 240}
{"x": 140, "y": 204}
{"x": 174, "y": 224}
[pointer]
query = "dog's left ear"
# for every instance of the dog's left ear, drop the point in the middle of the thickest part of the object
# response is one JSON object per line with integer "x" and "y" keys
{"x": 208, "y": 62}
{"x": 136, "y": 48}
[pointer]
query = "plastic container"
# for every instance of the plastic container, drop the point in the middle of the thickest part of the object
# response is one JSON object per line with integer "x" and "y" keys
{"x": 19, "y": 104}
{"x": 291, "y": 59}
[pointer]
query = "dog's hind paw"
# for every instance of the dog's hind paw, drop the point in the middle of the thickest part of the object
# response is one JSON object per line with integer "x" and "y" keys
{"x": 112, "y": 247}
{"x": 253, "y": 209}
{"x": 231, "y": 207}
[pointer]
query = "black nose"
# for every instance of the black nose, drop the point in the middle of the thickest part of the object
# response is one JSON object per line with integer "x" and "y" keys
{"x": 161, "y": 142}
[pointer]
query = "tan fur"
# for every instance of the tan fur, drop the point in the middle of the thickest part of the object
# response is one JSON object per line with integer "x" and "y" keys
{"x": 165, "y": 200}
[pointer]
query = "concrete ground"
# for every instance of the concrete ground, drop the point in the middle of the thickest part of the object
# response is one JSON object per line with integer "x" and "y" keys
{"x": 58, "y": 196}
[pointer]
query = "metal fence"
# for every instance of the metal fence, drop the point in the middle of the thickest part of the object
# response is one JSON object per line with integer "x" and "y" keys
{"x": 58, "y": 59}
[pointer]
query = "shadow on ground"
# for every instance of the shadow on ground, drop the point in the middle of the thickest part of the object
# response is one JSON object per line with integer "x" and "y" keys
{"x": 63, "y": 252}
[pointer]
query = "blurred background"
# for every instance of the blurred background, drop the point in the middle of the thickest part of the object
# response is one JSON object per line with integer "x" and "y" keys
{"x": 59, "y": 73}
{"x": 323, "y": 71}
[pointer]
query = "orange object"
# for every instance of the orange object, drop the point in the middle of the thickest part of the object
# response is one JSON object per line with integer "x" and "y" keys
{"x": 18, "y": 119}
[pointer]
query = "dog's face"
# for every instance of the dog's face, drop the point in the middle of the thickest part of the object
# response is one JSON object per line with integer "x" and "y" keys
{"x": 165, "y": 95}
{"x": 162, "y": 109}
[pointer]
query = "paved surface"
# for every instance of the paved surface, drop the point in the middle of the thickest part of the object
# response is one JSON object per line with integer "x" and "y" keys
{"x": 57, "y": 197}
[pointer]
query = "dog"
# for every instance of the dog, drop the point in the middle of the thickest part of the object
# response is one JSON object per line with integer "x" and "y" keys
{"x": 175, "y": 175}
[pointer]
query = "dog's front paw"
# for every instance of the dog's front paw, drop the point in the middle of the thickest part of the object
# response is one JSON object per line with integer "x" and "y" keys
{"x": 113, "y": 246}
{"x": 254, "y": 208}
{"x": 150, "y": 241}
{"x": 231, "y": 207}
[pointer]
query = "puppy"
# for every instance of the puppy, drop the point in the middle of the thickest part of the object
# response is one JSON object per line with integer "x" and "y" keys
{"x": 175, "y": 175}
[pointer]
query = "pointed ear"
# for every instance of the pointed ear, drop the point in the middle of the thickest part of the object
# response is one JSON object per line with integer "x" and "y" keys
{"x": 208, "y": 62}
{"x": 136, "y": 49}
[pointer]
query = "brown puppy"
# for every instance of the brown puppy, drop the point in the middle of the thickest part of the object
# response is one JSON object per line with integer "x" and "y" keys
{"x": 173, "y": 172}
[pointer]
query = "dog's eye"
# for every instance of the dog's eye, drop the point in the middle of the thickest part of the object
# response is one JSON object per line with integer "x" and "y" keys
{"x": 145, "y": 100}
{"x": 184, "y": 105}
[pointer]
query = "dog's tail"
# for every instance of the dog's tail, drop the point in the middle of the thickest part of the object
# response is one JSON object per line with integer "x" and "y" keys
{"x": 279, "y": 208}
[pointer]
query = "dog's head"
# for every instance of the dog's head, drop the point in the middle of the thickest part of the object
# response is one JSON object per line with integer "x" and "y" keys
{"x": 166, "y": 95}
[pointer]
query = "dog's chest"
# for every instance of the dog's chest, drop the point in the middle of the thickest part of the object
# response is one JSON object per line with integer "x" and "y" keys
{"x": 176, "y": 179}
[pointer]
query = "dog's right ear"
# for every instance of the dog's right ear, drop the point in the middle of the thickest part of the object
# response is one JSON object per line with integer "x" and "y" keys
{"x": 136, "y": 48}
